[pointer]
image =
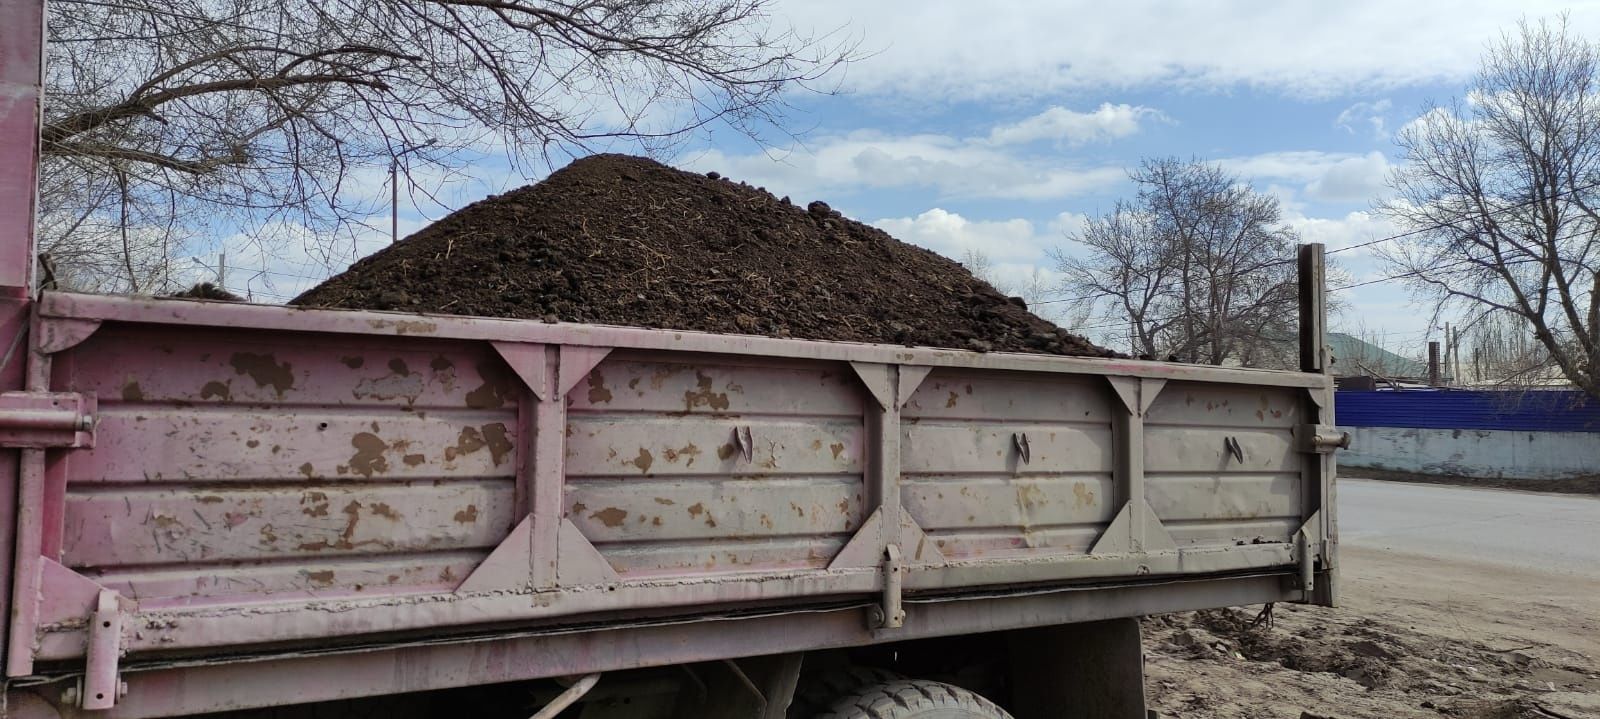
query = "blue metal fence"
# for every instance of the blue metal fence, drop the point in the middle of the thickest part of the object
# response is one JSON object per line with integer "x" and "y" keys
{"x": 1532, "y": 411}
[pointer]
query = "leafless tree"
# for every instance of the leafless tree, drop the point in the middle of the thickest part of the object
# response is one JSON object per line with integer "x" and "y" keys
{"x": 1503, "y": 191}
{"x": 1197, "y": 265}
{"x": 168, "y": 120}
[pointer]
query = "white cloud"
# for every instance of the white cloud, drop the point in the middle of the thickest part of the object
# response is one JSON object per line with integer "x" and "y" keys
{"x": 951, "y": 167}
{"x": 951, "y": 235}
{"x": 957, "y": 49}
{"x": 1371, "y": 116}
{"x": 1069, "y": 127}
{"x": 1323, "y": 176}
{"x": 1352, "y": 229}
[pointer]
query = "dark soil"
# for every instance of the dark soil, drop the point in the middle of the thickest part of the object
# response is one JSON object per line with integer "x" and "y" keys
{"x": 207, "y": 291}
{"x": 620, "y": 240}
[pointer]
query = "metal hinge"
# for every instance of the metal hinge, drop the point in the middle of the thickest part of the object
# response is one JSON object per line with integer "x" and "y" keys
{"x": 44, "y": 420}
{"x": 891, "y": 614}
{"x": 1320, "y": 438}
{"x": 101, "y": 685}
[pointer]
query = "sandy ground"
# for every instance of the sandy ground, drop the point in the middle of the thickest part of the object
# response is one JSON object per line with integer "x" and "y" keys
{"x": 1413, "y": 636}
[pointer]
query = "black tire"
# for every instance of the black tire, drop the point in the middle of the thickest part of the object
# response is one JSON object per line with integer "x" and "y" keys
{"x": 818, "y": 692}
{"x": 914, "y": 699}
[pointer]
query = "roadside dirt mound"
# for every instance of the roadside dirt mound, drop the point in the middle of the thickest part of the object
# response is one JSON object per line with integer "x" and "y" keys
{"x": 1317, "y": 663}
{"x": 620, "y": 240}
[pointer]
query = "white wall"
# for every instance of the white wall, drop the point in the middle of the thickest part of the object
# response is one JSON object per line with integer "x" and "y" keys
{"x": 1473, "y": 453}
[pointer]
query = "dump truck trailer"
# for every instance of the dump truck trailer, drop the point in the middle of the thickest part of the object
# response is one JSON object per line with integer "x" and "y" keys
{"x": 216, "y": 506}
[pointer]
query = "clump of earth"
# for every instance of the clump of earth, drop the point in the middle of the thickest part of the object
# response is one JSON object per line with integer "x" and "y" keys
{"x": 621, "y": 240}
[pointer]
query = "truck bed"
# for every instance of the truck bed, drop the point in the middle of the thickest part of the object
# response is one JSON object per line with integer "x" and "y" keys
{"x": 277, "y": 484}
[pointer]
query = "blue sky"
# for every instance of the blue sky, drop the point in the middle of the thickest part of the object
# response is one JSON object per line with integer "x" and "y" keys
{"x": 999, "y": 126}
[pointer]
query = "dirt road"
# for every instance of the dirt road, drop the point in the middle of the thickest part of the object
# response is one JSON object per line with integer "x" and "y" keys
{"x": 1433, "y": 622}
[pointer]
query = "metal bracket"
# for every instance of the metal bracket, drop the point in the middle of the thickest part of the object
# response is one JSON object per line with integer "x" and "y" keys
{"x": 1020, "y": 441}
{"x": 43, "y": 420}
{"x": 891, "y": 614}
{"x": 1321, "y": 438}
{"x": 745, "y": 443}
{"x": 1231, "y": 444}
{"x": 101, "y": 686}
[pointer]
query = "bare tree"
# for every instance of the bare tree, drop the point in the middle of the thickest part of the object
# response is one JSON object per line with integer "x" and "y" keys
{"x": 1503, "y": 191}
{"x": 982, "y": 267}
{"x": 168, "y": 120}
{"x": 1197, "y": 265}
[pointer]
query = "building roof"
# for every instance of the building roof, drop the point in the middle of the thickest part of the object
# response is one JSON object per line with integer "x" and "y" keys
{"x": 1354, "y": 356}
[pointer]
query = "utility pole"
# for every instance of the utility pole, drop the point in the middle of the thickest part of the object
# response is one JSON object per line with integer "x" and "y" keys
{"x": 222, "y": 270}
{"x": 394, "y": 189}
{"x": 1433, "y": 364}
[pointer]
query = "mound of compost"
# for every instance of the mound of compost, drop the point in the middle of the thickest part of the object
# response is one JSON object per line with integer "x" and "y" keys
{"x": 620, "y": 240}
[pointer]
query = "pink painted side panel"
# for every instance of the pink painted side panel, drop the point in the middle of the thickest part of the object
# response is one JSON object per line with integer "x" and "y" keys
{"x": 238, "y": 466}
{"x": 965, "y": 480}
{"x": 1205, "y": 496}
{"x": 657, "y": 480}
{"x": 307, "y": 478}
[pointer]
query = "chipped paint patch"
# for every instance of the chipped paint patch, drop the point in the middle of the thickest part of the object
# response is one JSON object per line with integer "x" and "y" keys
{"x": 265, "y": 370}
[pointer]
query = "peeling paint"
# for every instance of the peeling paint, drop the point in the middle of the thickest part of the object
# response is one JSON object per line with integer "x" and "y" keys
{"x": 217, "y": 390}
{"x": 611, "y": 516}
{"x": 265, "y": 370}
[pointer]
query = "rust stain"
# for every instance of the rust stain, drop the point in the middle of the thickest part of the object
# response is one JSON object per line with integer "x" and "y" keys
{"x": 252, "y": 444}
{"x": 726, "y": 451}
{"x": 322, "y": 577}
{"x": 696, "y": 509}
{"x": 611, "y": 516}
{"x": 352, "y": 512}
{"x": 468, "y": 515}
{"x": 690, "y": 451}
{"x": 353, "y": 362}
{"x": 703, "y": 395}
{"x": 267, "y": 535}
{"x": 838, "y": 448}
{"x": 131, "y": 392}
{"x": 643, "y": 461}
{"x": 413, "y": 460}
{"x": 309, "y": 471}
{"x": 844, "y": 506}
{"x": 798, "y": 510}
{"x": 497, "y": 387}
{"x": 952, "y": 401}
{"x": 665, "y": 501}
{"x": 209, "y": 499}
{"x": 969, "y": 389}
{"x": 265, "y": 370}
{"x": 766, "y": 520}
{"x": 398, "y": 366}
{"x": 368, "y": 459}
{"x": 415, "y": 327}
{"x": 578, "y": 508}
{"x": 314, "y": 504}
{"x": 816, "y": 444}
{"x": 447, "y": 576}
{"x": 494, "y": 436}
{"x": 1083, "y": 496}
{"x": 656, "y": 521}
{"x": 468, "y": 441}
{"x": 234, "y": 519}
{"x": 597, "y": 388}
{"x": 384, "y": 510}
{"x": 441, "y": 363}
{"x": 217, "y": 390}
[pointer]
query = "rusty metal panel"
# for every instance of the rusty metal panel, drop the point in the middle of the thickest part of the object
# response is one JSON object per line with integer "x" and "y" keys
{"x": 242, "y": 465}
{"x": 997, "y": 465}
{"x": 714, "y": 467}
{"x": 1222, "y": 466}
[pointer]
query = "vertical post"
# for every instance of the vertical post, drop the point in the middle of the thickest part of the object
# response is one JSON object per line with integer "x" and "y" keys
{"x": 21, "y": 95}
{"x": 222, "y": 270}
{"x": 21, "y": 65}
{"x": 1313, "y": 309}
{"x": 1319, "y": 469}
{"x": 1433, "y": 363}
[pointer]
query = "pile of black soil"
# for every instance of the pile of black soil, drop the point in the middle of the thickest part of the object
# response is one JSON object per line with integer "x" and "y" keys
{"x": 620, "y": 240}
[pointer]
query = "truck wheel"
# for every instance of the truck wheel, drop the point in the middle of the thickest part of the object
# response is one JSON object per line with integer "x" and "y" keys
{"x": 817, "y": 692}
{"x": 914, "y": 699}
